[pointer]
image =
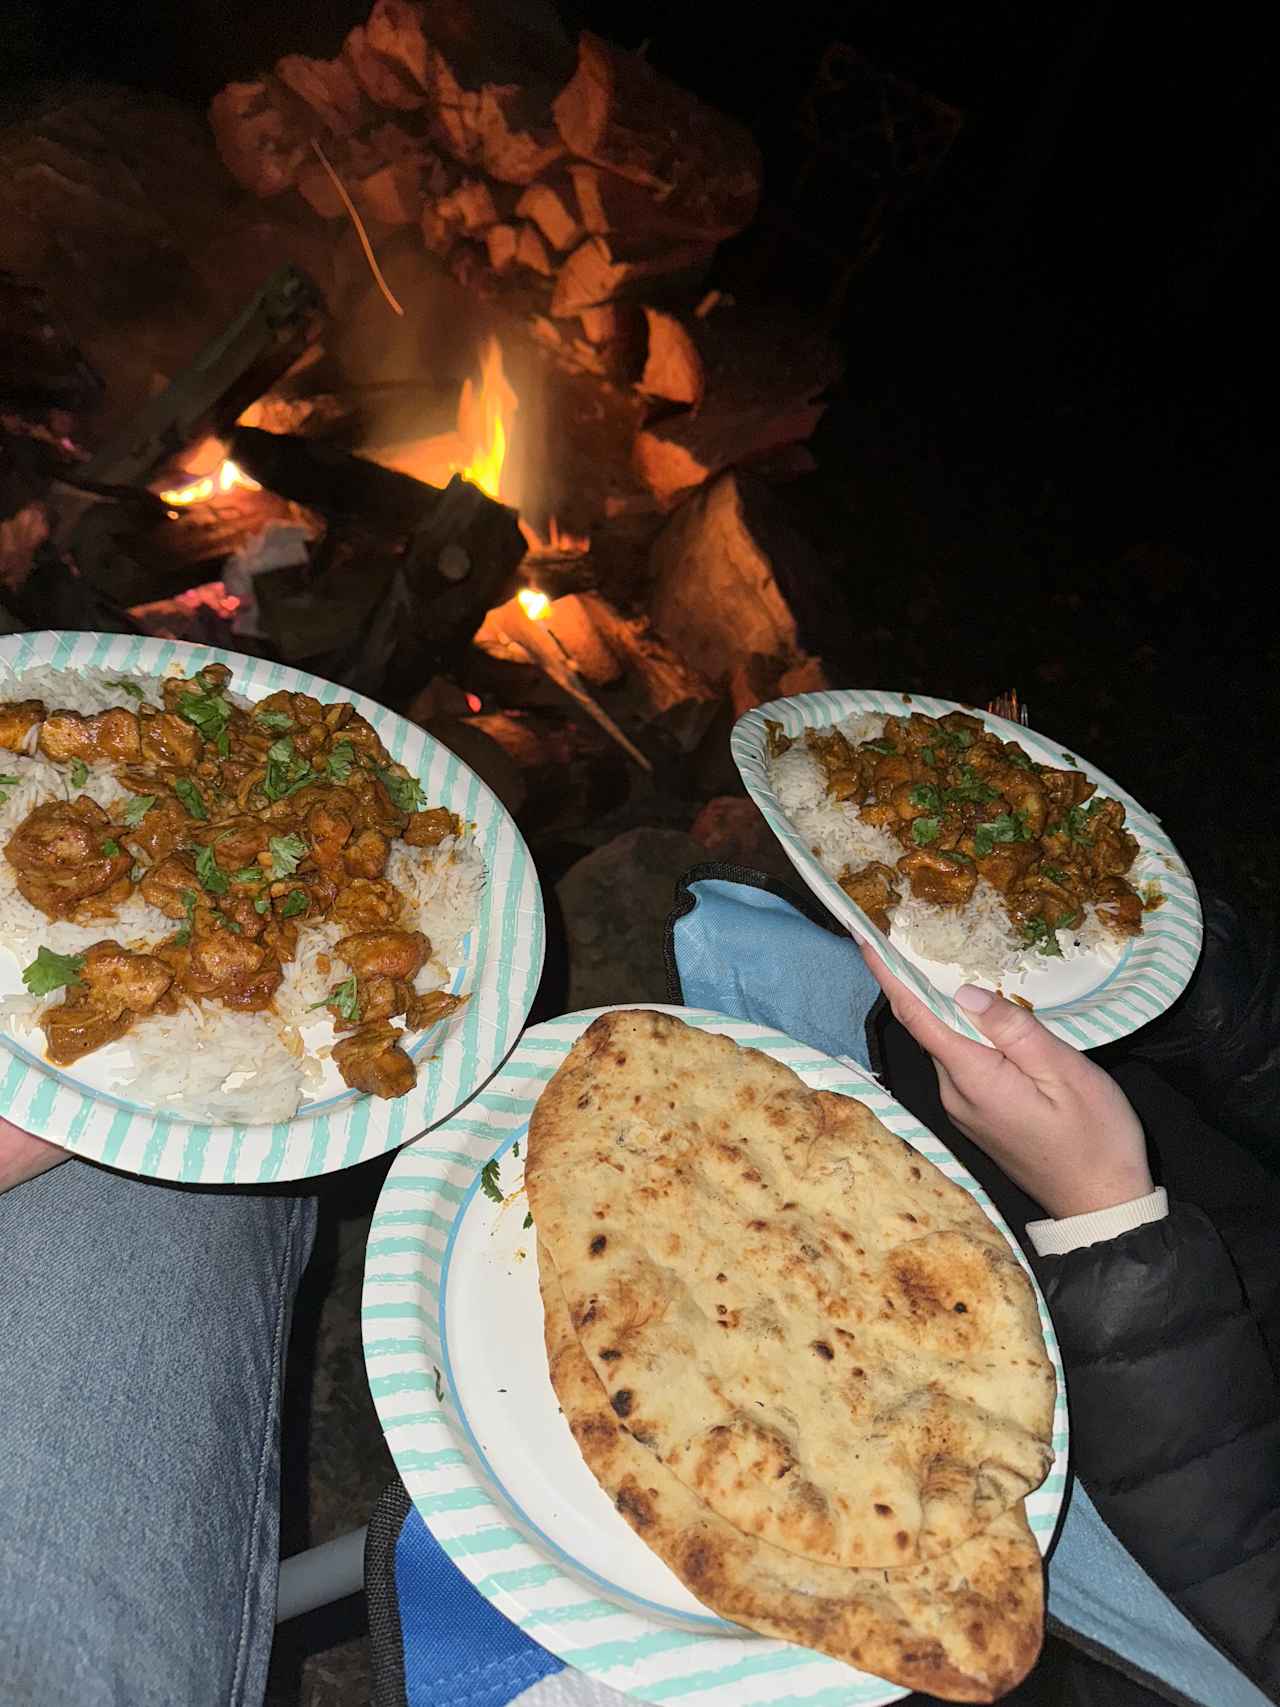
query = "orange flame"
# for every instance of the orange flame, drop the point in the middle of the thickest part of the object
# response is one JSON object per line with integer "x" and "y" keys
{"x": 484, "y": 416}
{"x": 226, "y": 476}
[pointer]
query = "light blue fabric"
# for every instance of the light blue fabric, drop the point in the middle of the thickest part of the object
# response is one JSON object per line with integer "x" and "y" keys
{"x": 747, "y": 953}
{"x": 143, "y": 1330}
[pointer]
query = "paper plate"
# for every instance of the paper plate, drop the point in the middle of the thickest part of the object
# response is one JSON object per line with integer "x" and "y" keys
{"x": 501, "y": 965}
{"x": 454, "y": 1350}
{"x": 1087, "y": 1001}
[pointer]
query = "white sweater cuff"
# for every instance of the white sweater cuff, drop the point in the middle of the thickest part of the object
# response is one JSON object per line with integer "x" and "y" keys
{"x": 1056, "y": 1238}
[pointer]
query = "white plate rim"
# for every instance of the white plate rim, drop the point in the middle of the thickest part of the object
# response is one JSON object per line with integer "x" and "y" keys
{"x": 430, "y": 1188}
{"x": 503, "y": 963}
{"x": 1150, "y": 975}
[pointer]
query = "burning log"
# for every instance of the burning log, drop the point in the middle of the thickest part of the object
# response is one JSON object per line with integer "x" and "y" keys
{"x": 382, "y": 79}
{"x": 755, "y": 387}
{"x": 470, "y": 207}
{"x": 261, "y": 146}
{"x": 531, "y": 251}
{"x": 734, "y": 582}
{"x": 230, "y": 373}
{"x": 552, "y": 207}
{"x": 617, "y": 112}
{"x": 328, "y": 88}
{"x": 599, "y": 271}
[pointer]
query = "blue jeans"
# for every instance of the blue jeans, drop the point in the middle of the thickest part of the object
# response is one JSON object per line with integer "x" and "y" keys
{"x": 143, "y": 1331}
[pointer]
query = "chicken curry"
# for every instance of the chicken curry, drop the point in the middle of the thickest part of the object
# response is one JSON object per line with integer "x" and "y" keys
{"x": 241, "y": 826}
{"x": 966, "y": 806}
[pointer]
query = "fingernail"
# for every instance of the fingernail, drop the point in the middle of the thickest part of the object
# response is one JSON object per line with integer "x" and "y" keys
{"x": 973, "y": 999}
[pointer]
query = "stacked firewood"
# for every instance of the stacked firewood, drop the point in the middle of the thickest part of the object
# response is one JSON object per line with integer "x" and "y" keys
{"x": 579, "y": 188}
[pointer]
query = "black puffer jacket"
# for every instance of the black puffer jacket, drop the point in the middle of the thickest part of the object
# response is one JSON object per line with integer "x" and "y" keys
{"x": 1171, "y": 1340}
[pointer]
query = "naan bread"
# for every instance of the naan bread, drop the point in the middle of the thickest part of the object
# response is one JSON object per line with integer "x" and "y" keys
{"x": 812, "y": 1328}
{"x": 966, "y": 1626}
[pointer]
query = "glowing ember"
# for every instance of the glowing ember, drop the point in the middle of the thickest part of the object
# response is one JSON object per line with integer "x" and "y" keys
{"x": 556, "y": 544}
{"x": 474, "y": 702}
{"x": 534, "y": 604}
{"x": 226, "y": 476}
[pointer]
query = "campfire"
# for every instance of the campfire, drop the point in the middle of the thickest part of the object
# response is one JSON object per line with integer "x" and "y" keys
{"x": 516, "y": 463}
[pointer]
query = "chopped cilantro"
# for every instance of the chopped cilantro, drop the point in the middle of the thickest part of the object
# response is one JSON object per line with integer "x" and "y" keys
{"x": 276, "y": 721}
{"x": 880, "y": 746}
{"x": 1015, "y": 756}
{"x": 286, "y": 852}
{"x": 1071, "y": 760}
{"x": 50, "y": 971}
{"x": 295, "y": 902}
{"x": 248, "y": 874}
{"x": 189, "y": 902}
{"x": 1053, "y": 874}
{"x": 1008, "y": 827}
{"x": 489, "y": 1181}
{"x": 959, "y": 856}
{"x": 527, "y": 1223}
{"x": 930, "y": 756}
{"x": 344, "y": 997}
{"x": 924, "y": 831}
{"x": 515, "y": 1149}
{"x": 190, "y": 796}
{"x": 286, "y": 772}
{"x": 957, "y": 737}
{"x": 262, "y": 904}
{"x": 1078, "y": 820}
{"x": 925, "y": 795}
{"x": 232, "y": 925}
{"x": 210, "y": 711}
{"x": 111, "y": 847}
{"x": 1037, "y": 933}
{"x": 137, "y": 810}
{"x": 406, "y": 792}
{"x": 340, "y": 761}
{"x": 969, "y": 788}
{"x": 79, "y": 773}
{"x": 131, "y": 688}
{"x": 211, "y": 875}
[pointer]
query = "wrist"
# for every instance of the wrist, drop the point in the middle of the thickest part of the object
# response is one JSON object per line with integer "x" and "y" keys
{"x": 1071, "y": 1233}
{"x": 1092, "y": 1194}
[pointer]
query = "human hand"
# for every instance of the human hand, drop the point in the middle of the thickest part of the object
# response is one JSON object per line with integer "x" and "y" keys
{"x": 23, "y": 1156}
{"x": 1057, "y": 1124}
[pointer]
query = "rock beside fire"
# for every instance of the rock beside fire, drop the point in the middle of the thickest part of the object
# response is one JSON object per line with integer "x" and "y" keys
{"x": 615, "y": 903}
{"x": 732, "y": 829}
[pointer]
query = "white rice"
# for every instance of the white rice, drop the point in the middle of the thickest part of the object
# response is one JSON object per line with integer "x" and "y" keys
{"x": 208, "y": 1062}
{"x": 978, "y": 937}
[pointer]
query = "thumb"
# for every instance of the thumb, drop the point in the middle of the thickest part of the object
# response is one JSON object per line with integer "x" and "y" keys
{"x": 1015, "y": 1031}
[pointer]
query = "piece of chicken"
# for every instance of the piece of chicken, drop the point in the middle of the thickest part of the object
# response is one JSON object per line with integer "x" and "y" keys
{"x": 162, "y": 827}
{"x": 220, "y": 958}
{"x": 938, "y": 877}
{"x": 18, "y": 717}
{"x": 62, "y": 853}
{"x": 169, "y": 740}
{"x": 115, "y": 986}
{"x": 109, "y": 735}
{"x": 387, "y": 954}
{"x": 428, "y": 829}
{"x": 171, "y": 885}
{"x": 366, "y": 856}
{"x": 328, "y": 832}
{"x": 423, "y": 1011}
{"x": 872, "y": 888}
{"x": 372, "y": 1061}
{"x": 367, "y": 904}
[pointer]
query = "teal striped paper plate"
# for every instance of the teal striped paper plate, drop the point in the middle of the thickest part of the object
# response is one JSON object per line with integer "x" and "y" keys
{"x": 454, "y": 1350}
{"x": 1087, "y": 1001}
{"x": 501, "y": 965}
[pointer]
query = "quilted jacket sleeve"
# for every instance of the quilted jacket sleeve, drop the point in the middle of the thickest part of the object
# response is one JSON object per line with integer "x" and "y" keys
{"x": 1175, "y": 1416}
